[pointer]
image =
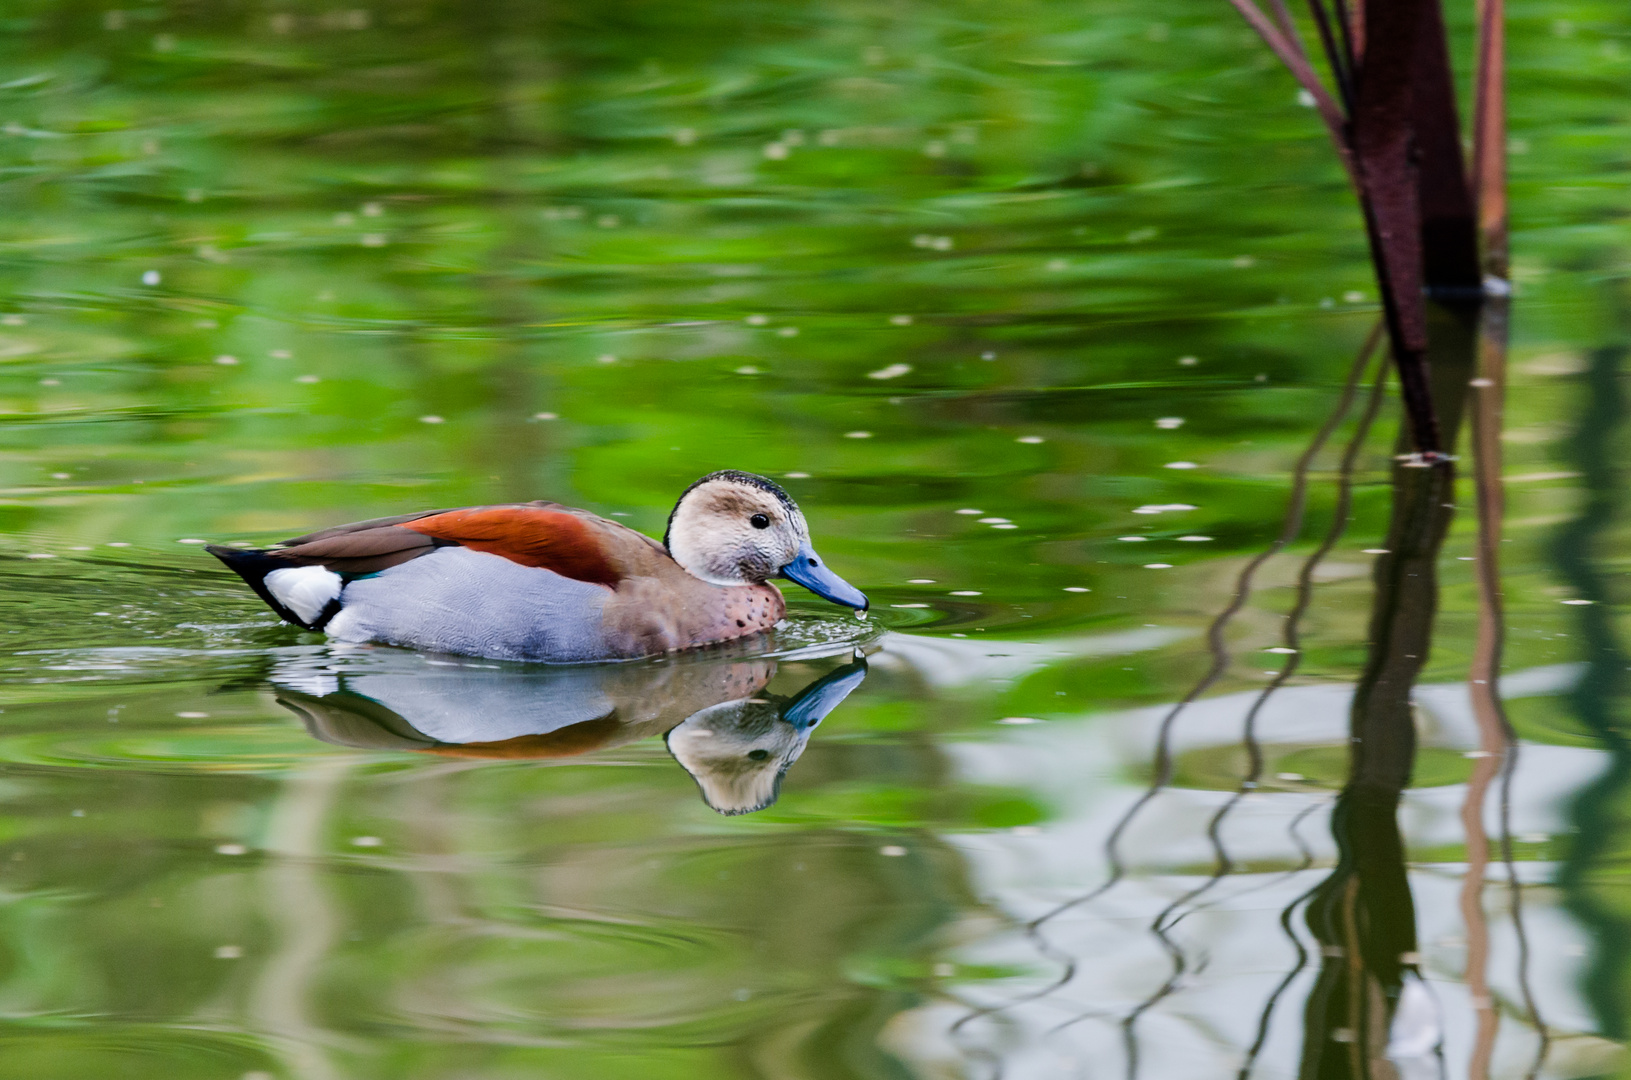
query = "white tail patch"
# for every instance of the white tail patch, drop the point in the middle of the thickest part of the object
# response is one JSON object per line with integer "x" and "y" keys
{"x": 304, "y": 590}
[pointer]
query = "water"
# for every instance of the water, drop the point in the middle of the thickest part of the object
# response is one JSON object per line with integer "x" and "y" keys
{"x": 1034, "y": 308}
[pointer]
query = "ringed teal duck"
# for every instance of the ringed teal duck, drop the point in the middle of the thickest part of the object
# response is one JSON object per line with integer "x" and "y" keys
{"x": 542, "y": 581}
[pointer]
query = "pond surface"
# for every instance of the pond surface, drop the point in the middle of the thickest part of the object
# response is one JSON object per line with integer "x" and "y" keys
{"x": 1050, "y": 315}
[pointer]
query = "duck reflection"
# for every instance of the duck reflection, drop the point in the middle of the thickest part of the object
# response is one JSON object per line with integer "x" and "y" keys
{"x": 738, "y": 751}
{"x": 735, "y": 738}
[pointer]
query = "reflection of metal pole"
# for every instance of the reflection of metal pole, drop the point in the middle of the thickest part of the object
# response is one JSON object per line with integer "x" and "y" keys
{"x": 1363, "y": 914}
{"x": 1494, "y": 733}
{"x": 1598, "y": 815}
{"x": 304, "y": 920}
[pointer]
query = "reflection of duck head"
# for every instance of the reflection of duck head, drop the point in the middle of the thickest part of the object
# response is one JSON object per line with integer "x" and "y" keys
{"x": 738, "y": 751}
{"x": 384, "y": 699}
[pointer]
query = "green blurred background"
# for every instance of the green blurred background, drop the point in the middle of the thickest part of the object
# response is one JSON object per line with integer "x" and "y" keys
{"x": 271, "y": 266}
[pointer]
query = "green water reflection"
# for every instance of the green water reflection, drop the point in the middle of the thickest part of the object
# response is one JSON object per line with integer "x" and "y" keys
{"x": 1032, "y": 306}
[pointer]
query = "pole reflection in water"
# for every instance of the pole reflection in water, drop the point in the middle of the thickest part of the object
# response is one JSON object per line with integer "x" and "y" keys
{"x": 1370, "y": 1013}
{"x": 1589, "y": 875}
{"x": 735, "y": 738}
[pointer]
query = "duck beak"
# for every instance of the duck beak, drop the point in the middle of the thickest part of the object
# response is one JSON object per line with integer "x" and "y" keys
{"x": 824, "y": 695}
{"x": 808, "y": 569}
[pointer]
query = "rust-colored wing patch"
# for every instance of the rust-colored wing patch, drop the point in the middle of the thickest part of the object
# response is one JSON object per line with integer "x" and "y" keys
{"x": 530, "y": 535}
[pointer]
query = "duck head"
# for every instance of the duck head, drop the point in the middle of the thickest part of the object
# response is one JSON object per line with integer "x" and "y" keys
{"x": 735, "y": 528}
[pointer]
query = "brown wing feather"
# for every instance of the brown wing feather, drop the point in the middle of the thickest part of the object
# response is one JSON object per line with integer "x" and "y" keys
{"x": 572, "y": 544}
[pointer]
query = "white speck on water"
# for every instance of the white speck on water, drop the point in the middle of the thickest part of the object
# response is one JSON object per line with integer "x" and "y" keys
{"x": 685, "y": 136}
{"x": 1188, "y": 361}
{"x": 1377, "y": 551}
{"x": 1077, "y": 588}
{"x": 993, "y": 521}
{"x": 12, "y": 320}
{"x": 307, "y": 379}
{"x": 231, "y": 849}
{"x": 797, "y": 475}
{"x": 776, "y": 151}
{"x": 787, "y": 331}
{"x": 1327, "y": 303}
{"x": 193, "y": 715}
{"x": 546, "y": 416}
{"x": 1162, "y": 508}
{"x": 1476, "y": 754}
{"x": 1577, "y": 602}
{"x": 1195, "y": 539}
{"x": 988, "y": 355}
{"x": 968, "y": 511}
{"x": 1031, "y": 440}
{"x": 908, "y": 605}
{"x": 1282, "y": 649}
{"x": 1005, "y": 525}
{"x": 1482, "y": 383}
{"x": 372, "y": 239}
{"x": 946, "y": 971}
{"x": 900, "y": 320}
{"x": 80, "y": 547}
{"x": 1056, "y": 265}
{"x": 228, "y": 952}
{"x": 893, "y": 371}
{"x": 226, "y": 360}
{"x": 191, "y": 540}
{"x": 608, "y": 221}
{"x": 432, "y": 418}
{"x": 50, "y": 382}
{"x": 967, "y": 592}
{"x": 1466, "y": 558}
{"x": 1180, "y": 465}
{"x": 934, "y": 148}
{"x": 606, "y": 358}
{"x": 1293, "y": 777}
{"x": 1305, "y": 98}
{"x": 1353, "y": 296}
{"x": 747, "y": 369}
{"x": 76, "y": 813}
{"x": 857, "y": 434}
{"x": 118, "y": 543}
{"x": 757, "y": 320}
{"x": 152, "y": 277}
{"x": 101, "y": 613}
{"x": 1243, "y": 262}
{"x": 1132, "y": 539}
{"x": 1019, "y": 720}
{"x": 1169, "y": 423}
{"x": 40, "y": 555}
{"x": 893, "y": 851}
{"x": 1158, "y": 566}
{"x": 372, "y": 209}
{"x": 344, "y": 218}
{"x": 366, "y": 841}
{"x": 920, "y": 581}
{"x": 281, "y": 354}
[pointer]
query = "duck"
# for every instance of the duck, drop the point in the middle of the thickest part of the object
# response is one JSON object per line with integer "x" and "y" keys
{"x": 541, "y": 581}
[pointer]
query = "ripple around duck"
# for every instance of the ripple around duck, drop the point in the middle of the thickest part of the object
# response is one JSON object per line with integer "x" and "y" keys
{"x": 554, "y": 977}
{"x": 213, "y": 750}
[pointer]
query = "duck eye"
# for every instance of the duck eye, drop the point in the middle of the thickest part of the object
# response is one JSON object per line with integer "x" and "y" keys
{"x": 759, "y": 521}
{"x": 758, "y": 755}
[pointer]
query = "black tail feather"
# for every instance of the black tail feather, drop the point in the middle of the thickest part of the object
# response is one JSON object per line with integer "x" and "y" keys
{"x": 253, "y": 565}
